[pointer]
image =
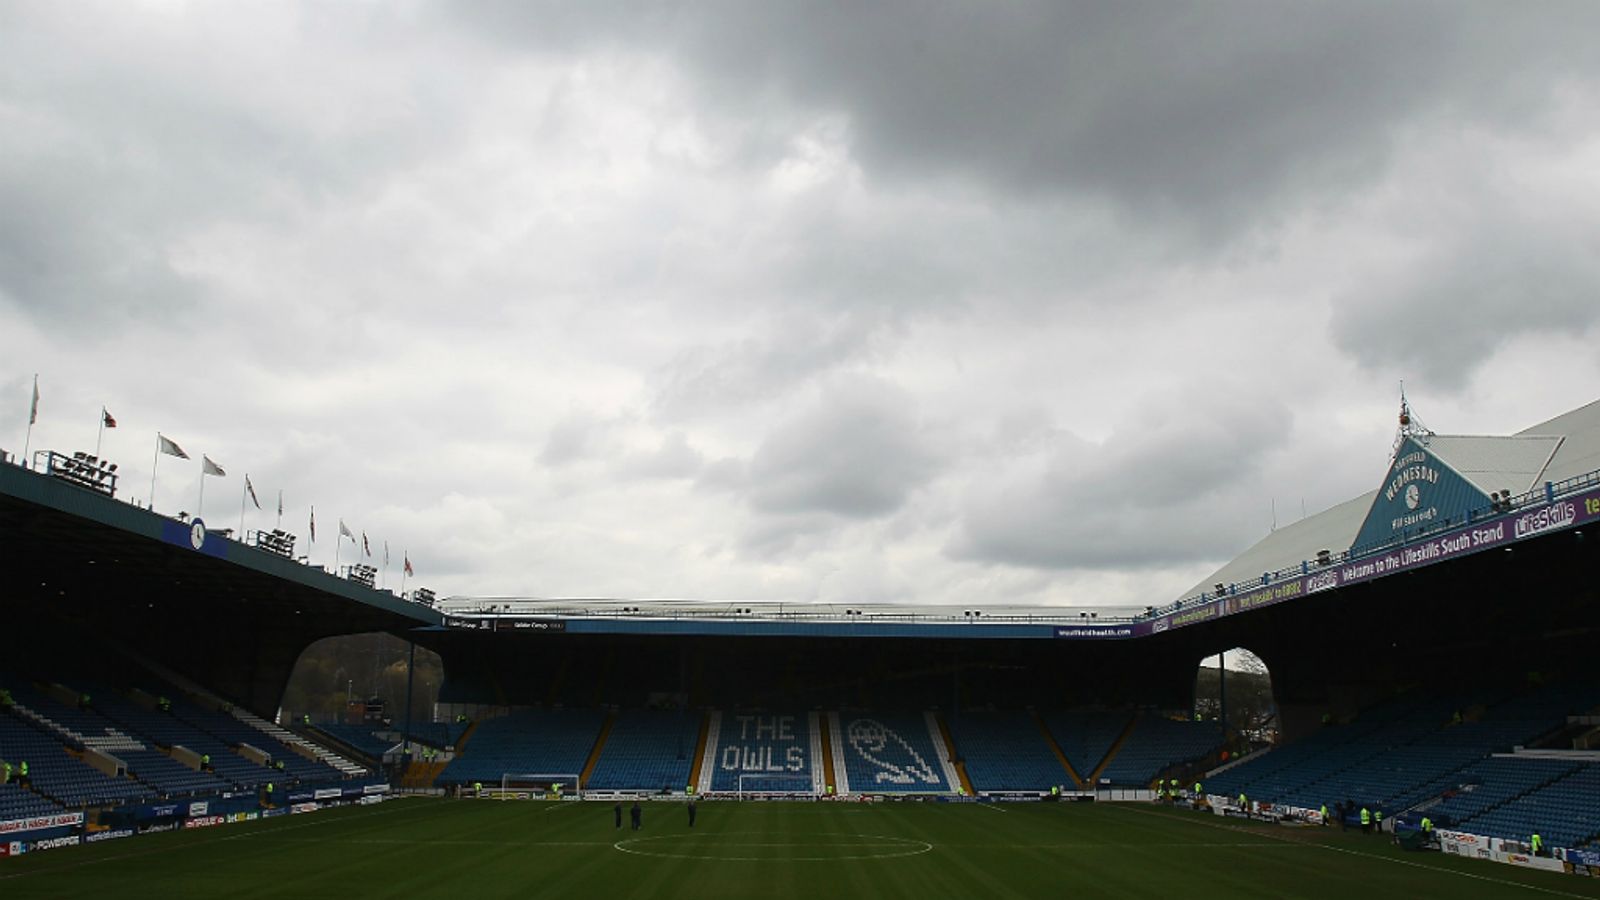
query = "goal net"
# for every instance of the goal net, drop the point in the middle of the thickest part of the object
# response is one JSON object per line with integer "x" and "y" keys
{"x": 776, "y": 787}
{"x": 537, "y": 786}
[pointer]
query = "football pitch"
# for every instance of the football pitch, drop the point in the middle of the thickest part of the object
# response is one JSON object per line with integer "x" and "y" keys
{"x": 467, "y": 849}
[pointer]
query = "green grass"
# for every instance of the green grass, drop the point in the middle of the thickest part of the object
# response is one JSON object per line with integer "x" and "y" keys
{"x": 464, "y": 850}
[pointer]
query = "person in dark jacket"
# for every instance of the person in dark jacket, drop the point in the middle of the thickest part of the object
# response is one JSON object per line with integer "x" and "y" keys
{"x": 618, "y": 811}
{"x": 637, "y": 815}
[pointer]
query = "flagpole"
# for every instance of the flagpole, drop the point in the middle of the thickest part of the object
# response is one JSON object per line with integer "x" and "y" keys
{"x": 338, "y": 544}
{"x": 33, "y": 413}
{"x": 154, "y": 464}
{"x": 101, "y": 434}
{"x": 404, "y": 559}
{"x": 243, "y": 495}
{"x": 279, "y": 526}
{"x": 200, "y": 507}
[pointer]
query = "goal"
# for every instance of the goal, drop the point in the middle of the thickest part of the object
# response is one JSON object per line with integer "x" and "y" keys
{"x": 538, "y": 786}
{"x": 776, "y": 787}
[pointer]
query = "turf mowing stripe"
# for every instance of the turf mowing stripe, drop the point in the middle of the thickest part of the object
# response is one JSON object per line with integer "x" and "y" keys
{"x": 199, "y": 840}
{"x": 1403, "y": 862}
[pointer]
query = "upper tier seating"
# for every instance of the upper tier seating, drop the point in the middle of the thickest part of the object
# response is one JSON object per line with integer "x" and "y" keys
{"x": 647, "y": 750}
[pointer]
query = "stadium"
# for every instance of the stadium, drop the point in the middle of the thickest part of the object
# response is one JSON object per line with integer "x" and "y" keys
{"x": 1430, "y": 644}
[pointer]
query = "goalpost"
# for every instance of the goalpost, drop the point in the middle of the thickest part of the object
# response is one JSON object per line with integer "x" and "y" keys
{"x": 755, "y": 786}
{"x": 538, "y": 786}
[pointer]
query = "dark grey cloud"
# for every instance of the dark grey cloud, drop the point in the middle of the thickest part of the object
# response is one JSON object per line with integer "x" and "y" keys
{"x": 1443, "y": 317}
{"x": 1167, "y": 487}
{"x": 858, "y": 452}
{"x": 1211, "y": 117}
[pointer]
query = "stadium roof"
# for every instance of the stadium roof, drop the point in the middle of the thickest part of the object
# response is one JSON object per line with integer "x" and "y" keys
{"x": 1564, "y": 447}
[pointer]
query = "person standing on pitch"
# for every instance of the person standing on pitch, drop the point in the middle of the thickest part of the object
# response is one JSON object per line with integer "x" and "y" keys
{"x": 691, "y": 812}
{"x": 618, "y": 811}
{"x": 637, "y": 815}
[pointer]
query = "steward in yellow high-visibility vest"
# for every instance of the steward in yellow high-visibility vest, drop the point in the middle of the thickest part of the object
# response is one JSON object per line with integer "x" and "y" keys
{"x": 1538, "y": 845}
{"x": 1366, "y": 820}
{"x": 1427, "y": 825}
{"x": 1324, "y": 815}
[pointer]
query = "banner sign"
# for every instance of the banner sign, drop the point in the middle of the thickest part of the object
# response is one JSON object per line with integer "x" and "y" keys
{"x": 530, "y": 625}
{"x": 468, "y": 624}
{"x": 504, "y": 623}
{"x": 112, "y": 835}
{"x": 1589, "y": 858}
{"x": 56, "y": 820}
{"x": 1093, "y": 632}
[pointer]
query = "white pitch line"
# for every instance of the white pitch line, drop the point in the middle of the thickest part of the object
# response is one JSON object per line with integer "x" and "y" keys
{"x": 1389, "y": 859}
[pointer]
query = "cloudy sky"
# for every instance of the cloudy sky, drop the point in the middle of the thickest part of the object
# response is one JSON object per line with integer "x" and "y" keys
{"x": 897, "y": 302}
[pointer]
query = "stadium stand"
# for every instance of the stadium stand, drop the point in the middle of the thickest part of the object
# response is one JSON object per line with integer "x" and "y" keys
{"x": 776, "y": 750}
{"x": 60, "y": 776}
{"x": 361, "y": 738}
{"x": 1005, "y": 751}
{"x": 526, "y": 742}
{"x": 17, "y": 802}
{"x": 1156, "y": 744}
{"x": 647, "y": 750}
{"x": 296, "y": 744}
{"x": 891, "y": 753}
{"x": 1086, "y": 737}
{"x": 1420, "y": 750}
{"x": 441, "y": 735}
{"x": 1566, "y": 811}
{"x": 1494, "y": 782}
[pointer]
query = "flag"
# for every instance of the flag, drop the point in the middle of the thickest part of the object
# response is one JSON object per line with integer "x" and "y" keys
{"x": 107, "y": 419}
{"x": 408, "y": 567}
{"x": 170, "y": 448}
{"x": 33, "y": 411}
{"x": 313, "y": 518}
{"x": 364, "y": 545}
{"x": 344, "y": 531}
{"x": 251, "y": 490}
{"x": 280, "y": 502}
{"x": 207, "y": 467}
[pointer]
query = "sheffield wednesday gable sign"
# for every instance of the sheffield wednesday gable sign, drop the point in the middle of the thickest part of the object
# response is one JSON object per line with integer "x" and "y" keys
{"x": 1421, "y": 492}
